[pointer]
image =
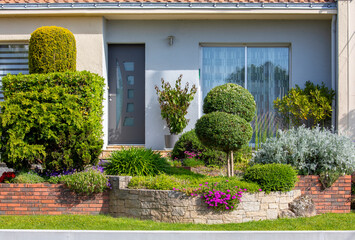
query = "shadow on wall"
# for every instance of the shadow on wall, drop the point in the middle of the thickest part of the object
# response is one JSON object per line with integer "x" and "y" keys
{"x": 344, "y": 128}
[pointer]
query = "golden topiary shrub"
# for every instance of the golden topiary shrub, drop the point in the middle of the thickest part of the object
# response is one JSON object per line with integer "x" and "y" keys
{"x": 52, "y": 49}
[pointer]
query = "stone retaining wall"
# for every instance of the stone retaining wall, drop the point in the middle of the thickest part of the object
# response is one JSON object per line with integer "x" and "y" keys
{"x": 171, "y": 206}
{"x": 52, "y": 199}
{"x": 335, "y": 199}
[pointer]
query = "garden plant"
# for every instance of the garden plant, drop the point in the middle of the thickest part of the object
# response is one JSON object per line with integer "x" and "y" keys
{"x": 52, "y": 49}
{"x": 311, "y": 151}
{"x": 174, "y": 102}
{"x": 228, "y": 109}
{"x": 310, "y": 106}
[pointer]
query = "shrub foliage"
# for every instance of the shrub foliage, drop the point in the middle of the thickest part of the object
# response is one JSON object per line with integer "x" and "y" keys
{"x": 311, "y": 151}
{"x": 52, "y": 49}
{"x": 230, "y": 98}
{"x": 225, "y": 132}
{"x": 174, "y": 103}
{"x": 189, "y": 142}
{"x": 51, "y": 119}
{"x": 135, "y": 162}
{"x": 310, "y": 106}
{"x": 272, "y": 177}
{"x": 86, "y": 182}
{"x": 229, "y": 108}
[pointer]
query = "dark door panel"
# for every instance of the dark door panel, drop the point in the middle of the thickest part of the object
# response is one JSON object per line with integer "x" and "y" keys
{"x": 126, "y": 76}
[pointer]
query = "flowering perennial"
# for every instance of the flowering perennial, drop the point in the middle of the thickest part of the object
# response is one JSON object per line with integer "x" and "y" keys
{"x": 6, "y": 175}
{"x": 218, "y": 196}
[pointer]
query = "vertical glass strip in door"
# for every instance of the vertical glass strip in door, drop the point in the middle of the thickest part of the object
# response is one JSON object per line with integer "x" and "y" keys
{"x": 13, "y": 60}
{"x": 267, "y": 79}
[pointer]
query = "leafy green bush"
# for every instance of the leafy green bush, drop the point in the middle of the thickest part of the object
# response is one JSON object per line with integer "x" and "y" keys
{"x": 52, "y": 49}
{"x": 272, "y": 177}
{"x": 193, "y": 162}
{"x": 135, "y": 162}
{"x": 28, "y": 177}
{"x": 230, "y": 98}
{"x": 189, "y": 142}
{"x": 311, "y": 151}
{"x": 226, "y": 125}
{"x": 159, "y": 182}
{"x": 310, "y": 106}
{"x": 86, "y": 182}
{"x": 174, "y": 103}
{"x": 223, "y": 131}
{"x": 51, "y": 119}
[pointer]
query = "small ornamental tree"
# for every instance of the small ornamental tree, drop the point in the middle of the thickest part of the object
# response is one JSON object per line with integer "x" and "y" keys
{"x": 174, "y": 103}
{"x": 311, "y": 106}
{"x": 52, "y": 49}
{"x": 228, "y": 109}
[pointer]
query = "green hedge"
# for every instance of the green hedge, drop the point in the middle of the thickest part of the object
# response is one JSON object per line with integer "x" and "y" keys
{"x": 272, "y": 177}
{"x": 51, "y": 119}
{"x": 52, "y": 49}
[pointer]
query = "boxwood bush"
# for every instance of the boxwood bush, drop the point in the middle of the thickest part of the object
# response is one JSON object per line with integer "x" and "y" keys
{"x": 225, "y": 132}
{"x": 52, "y": 49}
{"x": 51, "y": 119}
{"x": 230, "y": 98}
{"x": 272, "y": 177}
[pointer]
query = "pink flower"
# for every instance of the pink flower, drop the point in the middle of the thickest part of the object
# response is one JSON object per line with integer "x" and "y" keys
{"x": 260, "y": 190}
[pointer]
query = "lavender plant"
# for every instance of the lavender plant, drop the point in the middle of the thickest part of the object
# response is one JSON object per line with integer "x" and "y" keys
{"x": 312, "y": 151}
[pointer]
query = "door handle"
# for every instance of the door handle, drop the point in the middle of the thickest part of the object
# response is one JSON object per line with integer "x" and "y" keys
{"x": 110, "y": 95}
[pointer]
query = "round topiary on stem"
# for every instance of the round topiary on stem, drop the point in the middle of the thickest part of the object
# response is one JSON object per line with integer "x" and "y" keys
{"x": 52, "y": 49}
{"x": 230, "y": 98}
{"x": 229, "y": 108}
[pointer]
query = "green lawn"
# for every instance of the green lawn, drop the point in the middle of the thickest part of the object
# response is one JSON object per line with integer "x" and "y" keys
{"x": 328, "y": 221}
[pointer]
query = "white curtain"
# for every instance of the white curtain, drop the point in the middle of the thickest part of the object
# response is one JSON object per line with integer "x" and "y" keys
{"x": 267, "y": 76}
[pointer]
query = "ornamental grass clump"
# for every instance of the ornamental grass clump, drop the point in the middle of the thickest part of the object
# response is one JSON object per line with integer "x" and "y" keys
{"x": 311, "y": 151}
{"x": 135, "y": 162}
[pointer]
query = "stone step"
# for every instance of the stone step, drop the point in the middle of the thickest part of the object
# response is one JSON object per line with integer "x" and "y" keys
{"x": 105, "y": 154}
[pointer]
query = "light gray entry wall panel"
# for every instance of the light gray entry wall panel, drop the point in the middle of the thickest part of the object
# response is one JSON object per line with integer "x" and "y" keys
{"x": 309, "y": 43}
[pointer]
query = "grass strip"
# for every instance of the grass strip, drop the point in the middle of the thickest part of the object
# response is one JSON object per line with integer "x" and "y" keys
{"x": 329, "y": 221}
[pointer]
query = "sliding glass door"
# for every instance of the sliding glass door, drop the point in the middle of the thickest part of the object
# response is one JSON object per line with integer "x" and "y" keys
{"x": 264, "y": 71}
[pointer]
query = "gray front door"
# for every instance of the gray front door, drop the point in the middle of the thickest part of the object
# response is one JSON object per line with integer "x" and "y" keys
{"x": 126, "y": 78}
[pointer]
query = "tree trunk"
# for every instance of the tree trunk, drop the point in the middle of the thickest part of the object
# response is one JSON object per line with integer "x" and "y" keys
{"x": 228, "y": 166}
{"x": 232, "y": 164}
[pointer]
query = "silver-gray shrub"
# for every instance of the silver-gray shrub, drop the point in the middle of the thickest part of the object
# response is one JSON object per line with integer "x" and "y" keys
{"x": 311, "y": 151}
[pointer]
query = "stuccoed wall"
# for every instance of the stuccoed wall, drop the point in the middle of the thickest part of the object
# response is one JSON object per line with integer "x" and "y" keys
{"x": 309, "y": 43}
{"x": 171, "y": 206}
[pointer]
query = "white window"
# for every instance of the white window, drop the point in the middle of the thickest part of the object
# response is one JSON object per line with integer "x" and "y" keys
{"x": 14, "y": 60}
{"x": 264, "y": 71}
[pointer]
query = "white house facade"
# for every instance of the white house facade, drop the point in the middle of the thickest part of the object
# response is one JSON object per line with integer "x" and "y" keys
{"x": 266, "y": 47}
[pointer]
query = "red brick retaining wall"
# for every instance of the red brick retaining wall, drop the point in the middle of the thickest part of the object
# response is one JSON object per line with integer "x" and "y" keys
{"x": 53, "y": 199}
{"x": 335, "y": 199}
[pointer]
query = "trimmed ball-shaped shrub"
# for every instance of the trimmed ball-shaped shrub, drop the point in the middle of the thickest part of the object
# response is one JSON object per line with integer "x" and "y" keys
{"x": 230, "y": 98}
{"x": 223, "y": 131}
{"x": 52, "y": 49}
{"x": 272, "y": 177}
{"x": 135, "y": 162}
{"x": 189, "y": 142}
